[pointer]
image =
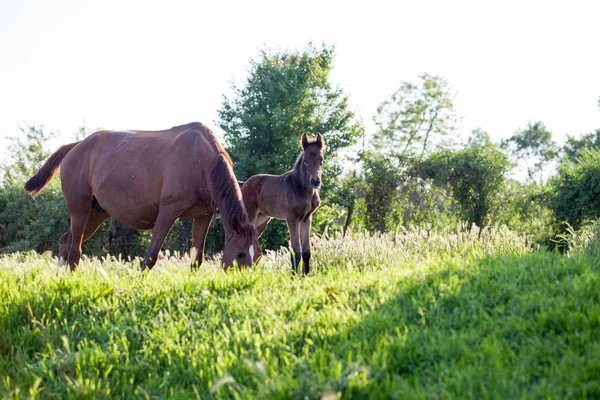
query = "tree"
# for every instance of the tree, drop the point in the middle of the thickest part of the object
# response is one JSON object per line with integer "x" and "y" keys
{"x": 535, "y": 143}
{"x": 575, "y": 191}
{"x": 27, "y": 153}
{"x": 415, "y": 117}
{"x": 573, "y": 146}
{"x": 475, "y": 174}
{"x": 287, "y": 93}
{"x": 382, "y": 176}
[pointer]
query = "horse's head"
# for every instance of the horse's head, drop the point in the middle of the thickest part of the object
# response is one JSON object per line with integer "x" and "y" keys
{"x": 313, "y": 158}
{"x": 242, "y": 246}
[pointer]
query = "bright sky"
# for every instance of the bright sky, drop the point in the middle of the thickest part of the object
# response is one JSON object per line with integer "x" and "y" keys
{"x": 152, "y": 65}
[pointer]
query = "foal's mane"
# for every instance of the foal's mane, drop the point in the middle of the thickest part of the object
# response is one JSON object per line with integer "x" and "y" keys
{"x": 298, "y": 162}
{"x": 225, "y": 190}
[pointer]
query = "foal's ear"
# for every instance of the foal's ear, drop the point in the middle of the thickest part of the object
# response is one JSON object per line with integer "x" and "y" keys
{"x": 236, "y": 223}
{"x": 320, "y": 141}
{"x": 304, "y": 140}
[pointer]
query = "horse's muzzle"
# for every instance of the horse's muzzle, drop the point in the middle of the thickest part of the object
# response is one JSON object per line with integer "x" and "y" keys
{"x": 315, "y": 182}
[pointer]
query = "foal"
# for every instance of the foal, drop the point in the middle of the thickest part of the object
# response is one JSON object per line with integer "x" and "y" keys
{"x": 293, "y": 197}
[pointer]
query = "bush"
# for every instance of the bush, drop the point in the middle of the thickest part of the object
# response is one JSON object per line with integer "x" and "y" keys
{"x": 575, "y": 190}
{"x": 476, "y": 176}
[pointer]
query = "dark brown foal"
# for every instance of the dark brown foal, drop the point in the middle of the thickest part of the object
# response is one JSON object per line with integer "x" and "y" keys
{"x": 293, "y": 197}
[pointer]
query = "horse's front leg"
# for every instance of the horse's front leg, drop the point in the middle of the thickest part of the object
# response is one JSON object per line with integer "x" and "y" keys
{"x": 305, "y": 239}
{"x": 165, "y": 220}
{"x": 294, "y": 227}
{"x": 199, "y": 230}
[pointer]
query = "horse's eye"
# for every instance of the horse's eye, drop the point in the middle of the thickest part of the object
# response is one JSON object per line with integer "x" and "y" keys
{"x": 241, "y": 255}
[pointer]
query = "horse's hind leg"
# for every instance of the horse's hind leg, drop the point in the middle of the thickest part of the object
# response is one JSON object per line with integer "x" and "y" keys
{"x": 95, "y": 219}
{"x": 63, "y": 250}
{"x": 78, "y": 224}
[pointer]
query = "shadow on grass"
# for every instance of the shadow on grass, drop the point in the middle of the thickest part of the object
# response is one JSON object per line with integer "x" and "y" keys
{"x": 499, "y": 327}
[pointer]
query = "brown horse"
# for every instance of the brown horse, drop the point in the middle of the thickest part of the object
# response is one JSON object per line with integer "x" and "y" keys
{"x": 146, "y": 180}
{"x": 293, "y": 197}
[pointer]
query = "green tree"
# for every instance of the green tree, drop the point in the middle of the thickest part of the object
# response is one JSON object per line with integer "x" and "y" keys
{"x": 533, "y": 143}
{"x": 27, "y": 153}
{"x": 573, "y": 146}
{"x": 382, "y": 177}
{"x": 575, "y": 191}
{"x": 287, "y": 93}
{"x": 415, "y": 117}
{"x": 475, "y": 174}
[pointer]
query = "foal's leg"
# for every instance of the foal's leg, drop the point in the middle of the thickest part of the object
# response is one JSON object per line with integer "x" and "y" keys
{"x": 305, "y": 239}
{"x": 164, "y": 222}
{"x": 294, "y": 228}
{"x": 199, "y": 230}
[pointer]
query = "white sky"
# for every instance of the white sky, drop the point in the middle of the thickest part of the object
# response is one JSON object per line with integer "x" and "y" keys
{"x": 152, "y": 65}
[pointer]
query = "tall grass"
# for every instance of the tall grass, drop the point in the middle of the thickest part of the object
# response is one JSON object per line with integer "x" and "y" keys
{"x": 415, "y": 314}
{"x": 585, "y": 241}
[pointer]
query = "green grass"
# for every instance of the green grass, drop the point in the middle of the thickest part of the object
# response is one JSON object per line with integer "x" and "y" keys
{"x": 417, "y": 314}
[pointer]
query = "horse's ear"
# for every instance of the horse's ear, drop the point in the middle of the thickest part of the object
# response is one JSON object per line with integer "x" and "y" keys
{"x": 320, "y": 141}
{"x": 304, "y": 140}
{"x": 236, "y": 223}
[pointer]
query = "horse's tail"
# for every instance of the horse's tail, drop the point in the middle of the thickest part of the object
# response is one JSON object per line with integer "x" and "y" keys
{"x": 39, "y": 181}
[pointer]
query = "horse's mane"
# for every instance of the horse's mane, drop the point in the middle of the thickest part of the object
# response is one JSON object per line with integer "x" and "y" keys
{"x": 298, "y": 162}
{"x": 225, "y": 190}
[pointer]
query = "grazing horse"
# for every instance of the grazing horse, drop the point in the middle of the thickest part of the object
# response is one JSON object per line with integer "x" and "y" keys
{"x": 293, "y": 197}
{"x": 146, "y": 180}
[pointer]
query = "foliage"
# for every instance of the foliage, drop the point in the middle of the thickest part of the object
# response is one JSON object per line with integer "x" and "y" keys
{"x": 476, "y": 176}
{"x": 533, "y": 143}
{"x": 584, "y": 241}
{"x": 27, "y": 153}
{"x": 416, "y": 116}
{"x": 32, "y": 223}
{"x": 575, "y": 191}
{"x": 382, "y": 177}
{"x": 523, "y": 208}
{"x": 418, "y": 314}
{"x": 573, "y": 146}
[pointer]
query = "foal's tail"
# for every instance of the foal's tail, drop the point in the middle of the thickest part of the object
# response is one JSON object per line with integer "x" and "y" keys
{"x": 39, "y": 181}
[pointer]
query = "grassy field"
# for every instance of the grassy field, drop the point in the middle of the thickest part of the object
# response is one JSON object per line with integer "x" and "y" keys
{"x": 417, "y": 314}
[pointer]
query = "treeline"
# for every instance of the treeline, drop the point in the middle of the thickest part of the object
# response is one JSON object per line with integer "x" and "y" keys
{"x": 415, "y": 169}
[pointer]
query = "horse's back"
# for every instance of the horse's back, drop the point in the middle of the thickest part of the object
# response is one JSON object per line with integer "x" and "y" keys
{"x": 154, "y": 148}
{"x": 132, "y": 173}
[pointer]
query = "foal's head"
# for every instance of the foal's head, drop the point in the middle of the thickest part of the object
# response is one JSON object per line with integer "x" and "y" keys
{"x": 312, "y": 160}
